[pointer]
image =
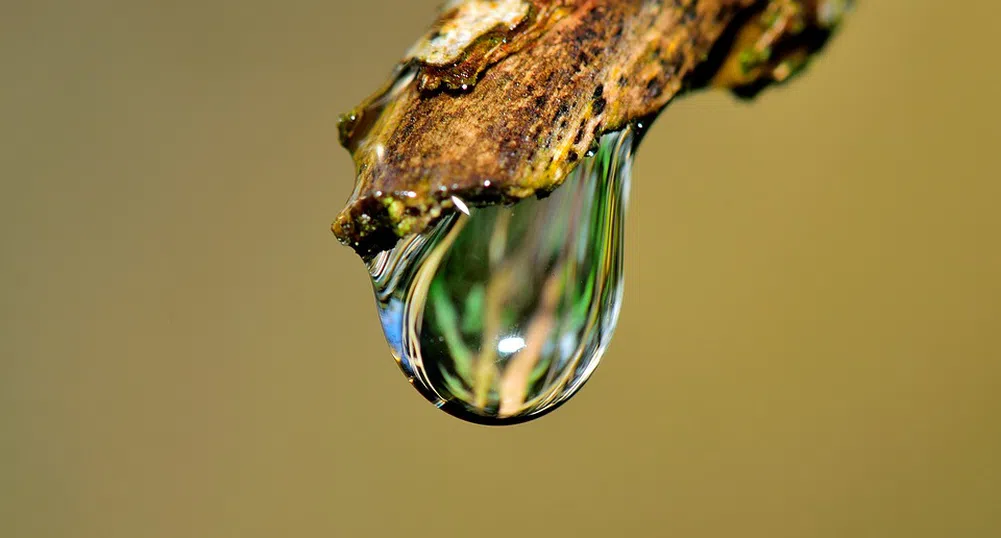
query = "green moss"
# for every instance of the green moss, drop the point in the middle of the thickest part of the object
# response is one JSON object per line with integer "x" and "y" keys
{"x": 751, "y": 59}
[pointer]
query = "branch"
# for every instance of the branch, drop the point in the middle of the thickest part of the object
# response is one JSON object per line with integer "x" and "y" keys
{"x": 501, "y": 98}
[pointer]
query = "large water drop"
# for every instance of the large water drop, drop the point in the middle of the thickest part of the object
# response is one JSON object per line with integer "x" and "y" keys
{"x": 499, "y": 314}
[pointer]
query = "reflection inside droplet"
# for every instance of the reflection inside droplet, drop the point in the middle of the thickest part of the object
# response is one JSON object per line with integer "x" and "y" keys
{"x": 499, "y": 314}
{"x": 511, "y": 344}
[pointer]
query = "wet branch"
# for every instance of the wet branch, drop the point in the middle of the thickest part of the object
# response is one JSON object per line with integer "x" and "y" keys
{"x": 500, "y": 100}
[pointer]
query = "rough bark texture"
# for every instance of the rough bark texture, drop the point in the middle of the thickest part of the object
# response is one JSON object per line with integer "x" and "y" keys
{"x": 493, "y": 113}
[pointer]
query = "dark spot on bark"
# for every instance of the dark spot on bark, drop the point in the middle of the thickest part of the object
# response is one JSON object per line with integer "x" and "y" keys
{"x": 572, "y": 156}
{"x": 654, "y": 88}
{"x": 598, "y": 106}
{"x": 580, "y": 132}
{"x": 561, "y": 111}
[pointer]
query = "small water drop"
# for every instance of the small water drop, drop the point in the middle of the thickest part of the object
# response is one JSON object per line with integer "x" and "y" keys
{"x": 460, "y": 205}
{"x": 499, "y": 314}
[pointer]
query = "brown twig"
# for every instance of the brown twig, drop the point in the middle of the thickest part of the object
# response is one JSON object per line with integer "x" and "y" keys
{"x": 502, "y": 98}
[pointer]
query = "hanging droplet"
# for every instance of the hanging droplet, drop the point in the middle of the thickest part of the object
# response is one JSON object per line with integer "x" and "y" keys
{"x": 499, "y": 314}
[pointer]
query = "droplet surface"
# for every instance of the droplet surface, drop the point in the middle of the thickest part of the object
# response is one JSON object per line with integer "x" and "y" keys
{"x": 499, "y": 314}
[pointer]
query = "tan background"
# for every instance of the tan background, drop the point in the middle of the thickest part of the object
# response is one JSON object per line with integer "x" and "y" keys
{"x": 809, "y": 345}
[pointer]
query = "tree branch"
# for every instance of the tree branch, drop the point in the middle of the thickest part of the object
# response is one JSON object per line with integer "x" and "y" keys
{"x": 500, "y": 100}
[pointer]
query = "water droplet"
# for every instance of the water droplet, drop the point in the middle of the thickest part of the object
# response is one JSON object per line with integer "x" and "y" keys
{"x": 460, "y": 205}
{"x": 353, "y": 127}
{"x": 499, "y": 314}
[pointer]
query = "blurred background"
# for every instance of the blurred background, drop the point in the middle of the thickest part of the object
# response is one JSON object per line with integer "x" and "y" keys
{"x": 810, "y": 344}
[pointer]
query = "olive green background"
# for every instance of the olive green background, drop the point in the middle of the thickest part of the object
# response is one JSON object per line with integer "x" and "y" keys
{"x": 810, "y": 344}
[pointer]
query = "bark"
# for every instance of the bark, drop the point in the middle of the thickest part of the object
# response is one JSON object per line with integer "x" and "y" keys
{"x": 501, "y": 99}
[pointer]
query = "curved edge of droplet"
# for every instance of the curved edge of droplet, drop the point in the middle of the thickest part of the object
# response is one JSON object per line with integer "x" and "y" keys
{"x": 410, "y": 260}
{"x": 424, "y": 253}
{"x": 618, "y": 188}
{"x": 461, "y": 411}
